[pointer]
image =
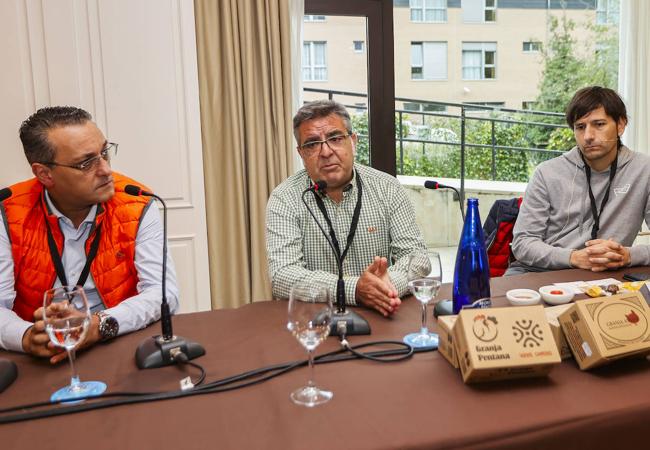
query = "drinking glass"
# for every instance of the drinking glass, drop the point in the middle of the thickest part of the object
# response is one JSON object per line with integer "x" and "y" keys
{"x": 310, "y": 314}
{"x": 67, "y": 317}
{"x": 424, "y": 280}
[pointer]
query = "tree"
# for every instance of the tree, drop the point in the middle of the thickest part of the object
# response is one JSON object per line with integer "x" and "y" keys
{"x": 565, "y": 71}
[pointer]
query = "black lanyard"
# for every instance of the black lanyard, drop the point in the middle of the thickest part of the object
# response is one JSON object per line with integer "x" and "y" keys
{"x": 594, "y": 212}
{"x": 56, "y": 258}
{"x": 353, "y": 225}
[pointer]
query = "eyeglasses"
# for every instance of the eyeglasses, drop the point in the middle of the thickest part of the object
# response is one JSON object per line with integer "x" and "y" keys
{"x": 335, "y": 143}
{"x": 90, "y": 164}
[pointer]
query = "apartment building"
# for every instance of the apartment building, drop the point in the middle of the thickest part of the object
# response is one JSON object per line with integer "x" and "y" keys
{"x": 461, "y": 51}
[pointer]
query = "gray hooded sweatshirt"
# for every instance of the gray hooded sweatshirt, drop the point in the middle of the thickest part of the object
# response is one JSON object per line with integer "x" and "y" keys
{"x": 555, "y": 216}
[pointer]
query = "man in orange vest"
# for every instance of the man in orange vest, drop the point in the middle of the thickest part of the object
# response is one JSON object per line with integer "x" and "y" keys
{"x": 73, "y": 224}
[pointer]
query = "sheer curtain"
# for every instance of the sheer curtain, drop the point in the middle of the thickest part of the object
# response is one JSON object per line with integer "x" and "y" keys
{"x": 633, "y": 78}
{"x": 245, "y": 72}
{"x": 471, "y": 64}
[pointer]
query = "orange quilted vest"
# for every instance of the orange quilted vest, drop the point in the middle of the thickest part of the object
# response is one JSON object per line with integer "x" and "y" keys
{"x": 113, "y": 269}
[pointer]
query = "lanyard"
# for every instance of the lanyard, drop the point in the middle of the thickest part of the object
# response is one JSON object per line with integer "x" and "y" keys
{"x": 353, "y": 225}
{"x": 594, "y": 212}
{"x": 56, "y": 258}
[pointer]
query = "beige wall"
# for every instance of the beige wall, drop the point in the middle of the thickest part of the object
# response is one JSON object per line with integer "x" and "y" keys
{"x": 132, "y": 65}
{"x": 518, "y": 73}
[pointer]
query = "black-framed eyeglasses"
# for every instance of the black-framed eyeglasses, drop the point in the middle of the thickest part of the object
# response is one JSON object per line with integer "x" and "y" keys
{"x": 335, "y": 143}
{"x": 90, "y": 164}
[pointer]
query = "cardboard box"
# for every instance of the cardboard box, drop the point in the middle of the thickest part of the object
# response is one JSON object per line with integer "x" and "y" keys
{"x": 446, "y": 339}
{"x": 502, "y": 343}
{"x": 552, "y": 316}
{"x": 603, "y": 329}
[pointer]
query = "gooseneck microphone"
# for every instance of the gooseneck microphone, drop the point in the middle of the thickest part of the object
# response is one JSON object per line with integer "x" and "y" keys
{"x": 431, "y": 184}
{"x": 344, "y": 322}
{"x": 159, "y": 351}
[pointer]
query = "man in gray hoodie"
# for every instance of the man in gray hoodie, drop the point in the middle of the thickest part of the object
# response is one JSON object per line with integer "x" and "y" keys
{"x": 584, "y": 208}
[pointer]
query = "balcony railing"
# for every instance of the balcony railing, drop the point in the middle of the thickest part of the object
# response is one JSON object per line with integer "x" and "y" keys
{"x": 424, "y": 128}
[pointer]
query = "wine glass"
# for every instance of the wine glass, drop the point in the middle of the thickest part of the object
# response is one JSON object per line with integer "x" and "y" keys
{"x": 310, "y": 315}
{"x": 424, "y": 280}
{"x": 67, "y": 317}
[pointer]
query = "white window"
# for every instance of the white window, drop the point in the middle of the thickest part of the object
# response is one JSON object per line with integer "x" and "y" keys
{"x": 479, "y": 11}
{"x": 532, "y": 47}
{"x": 428, "y": 60}
{"x": 428, "y": 10}
{"x": 358, "y": 46}
{"x": 490, "y": 14}
{"x": 314, "y": 61}
{"x": 479, "y": 60}
{"x": 607, "y": 12}
{"x": 313, "y": 18}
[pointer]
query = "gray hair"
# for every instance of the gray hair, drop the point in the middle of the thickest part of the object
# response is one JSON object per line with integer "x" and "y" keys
{"x": 317, "y": 109}
{"x": 33, "y": 131}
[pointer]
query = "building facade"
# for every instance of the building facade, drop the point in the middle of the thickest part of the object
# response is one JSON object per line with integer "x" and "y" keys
{"x": 461, "y": 51}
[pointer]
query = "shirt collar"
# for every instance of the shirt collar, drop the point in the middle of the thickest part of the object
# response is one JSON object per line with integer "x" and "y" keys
{"x": 90, "y": 218}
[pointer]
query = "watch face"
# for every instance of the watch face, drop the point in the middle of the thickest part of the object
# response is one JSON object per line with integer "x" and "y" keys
{"x": 108, "y": 327}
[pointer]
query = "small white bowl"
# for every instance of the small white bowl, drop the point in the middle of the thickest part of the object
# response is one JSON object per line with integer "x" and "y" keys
{"x": 554, "y": 295}
{"x": 523, "y": 297}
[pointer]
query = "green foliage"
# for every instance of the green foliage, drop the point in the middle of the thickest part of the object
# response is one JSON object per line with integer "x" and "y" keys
{"x": 566, "y": 70}
{"x": 568, "y": 65}
{"x": 561, "y": 139}
{"x": 360, "y": 126}
{"x": 481, "y": 163}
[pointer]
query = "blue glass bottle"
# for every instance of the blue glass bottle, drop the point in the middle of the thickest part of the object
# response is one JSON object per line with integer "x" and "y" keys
{"x": 472, "y": 273}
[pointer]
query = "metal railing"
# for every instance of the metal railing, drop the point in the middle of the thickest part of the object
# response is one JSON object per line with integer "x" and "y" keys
{"x": 465, "y": 114}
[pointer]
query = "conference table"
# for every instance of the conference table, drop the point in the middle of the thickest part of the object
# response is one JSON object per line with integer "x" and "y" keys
{"x": 419, "y": 403}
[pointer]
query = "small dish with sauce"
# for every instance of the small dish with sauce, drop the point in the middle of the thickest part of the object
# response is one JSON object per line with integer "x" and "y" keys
{"x": 554, "y": 295}
{"x": 523, "y": 297}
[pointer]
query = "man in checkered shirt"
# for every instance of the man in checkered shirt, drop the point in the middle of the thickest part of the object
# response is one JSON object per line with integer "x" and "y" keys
{"x": 376, "y": 263}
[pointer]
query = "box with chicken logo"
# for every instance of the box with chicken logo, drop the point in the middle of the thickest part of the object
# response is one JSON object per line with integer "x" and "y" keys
{"x": 603, "y": 329}
{"x": 446, "y": 345}
{"x": 502, "y": 343}
{"x": 553, "y": 318}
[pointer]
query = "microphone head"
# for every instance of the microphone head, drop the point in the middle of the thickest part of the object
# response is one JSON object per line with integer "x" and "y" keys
{"x": 320, "y": 185}
{"x": 430, "y": 184}
{"x": 132, "y": 190}
{"x": 5, "y": 194}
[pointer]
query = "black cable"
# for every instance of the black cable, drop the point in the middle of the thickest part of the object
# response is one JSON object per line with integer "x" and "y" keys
{"x": 181, "y": 358}
{"x": 406, "y": 353}
{"x": 227, "y": 384}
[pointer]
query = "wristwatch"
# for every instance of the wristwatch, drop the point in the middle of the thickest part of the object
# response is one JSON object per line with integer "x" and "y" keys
{"x": 108, "y": 326}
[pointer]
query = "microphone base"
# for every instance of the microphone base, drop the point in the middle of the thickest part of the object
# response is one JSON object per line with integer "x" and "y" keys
{"x": 157, "y": 352}
{"x": 354, "y": 323}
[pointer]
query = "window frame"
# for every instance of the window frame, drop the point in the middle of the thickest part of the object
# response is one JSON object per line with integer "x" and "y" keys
{"x": 423, "y": 77}
{"x": 483, "y": 50}
{"x": 492, "y": 9}
{"x": 531, "y": 45}
{"x": 312, "y": 67}
{"x": 381, "y": 63}
{"x": 309, "y": 18}
{"x": 422, "y": 9}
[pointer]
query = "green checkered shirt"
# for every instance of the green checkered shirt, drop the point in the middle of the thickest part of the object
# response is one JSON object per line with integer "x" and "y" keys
{"x": 297, "y": 250}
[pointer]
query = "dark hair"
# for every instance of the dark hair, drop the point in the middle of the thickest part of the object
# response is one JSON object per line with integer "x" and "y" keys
{"x": 593, "y": 97}
{"x": 320, "y": 108}
{"x": 33, "y": 131}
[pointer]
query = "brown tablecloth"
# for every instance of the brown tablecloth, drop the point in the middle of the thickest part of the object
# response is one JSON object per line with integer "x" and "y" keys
{"x": 419, "y": 403}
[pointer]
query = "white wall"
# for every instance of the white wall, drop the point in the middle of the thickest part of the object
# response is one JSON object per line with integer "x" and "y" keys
{"x": 132, "y": 65}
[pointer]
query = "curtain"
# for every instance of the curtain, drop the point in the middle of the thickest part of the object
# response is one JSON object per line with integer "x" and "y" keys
{"x": 633, "y": 79}
{"x": 245, "y": 87}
